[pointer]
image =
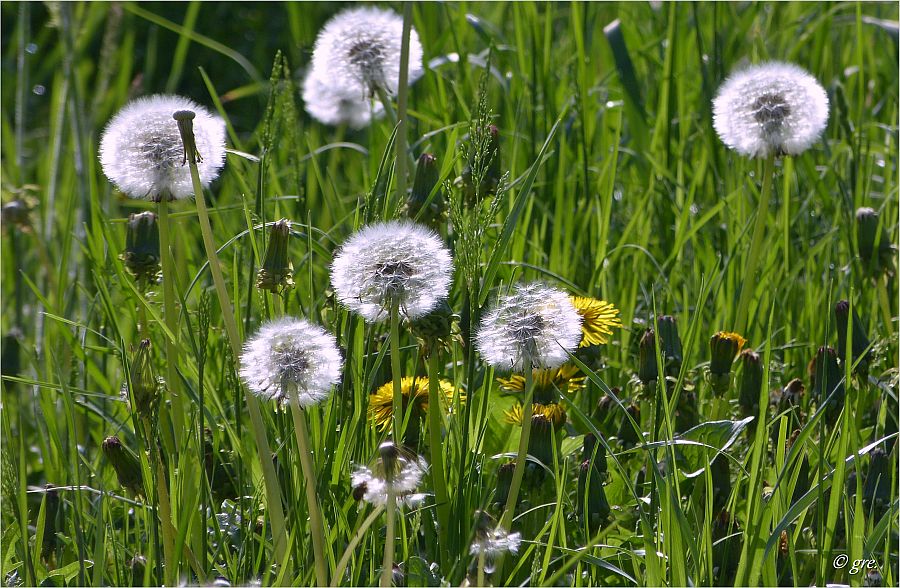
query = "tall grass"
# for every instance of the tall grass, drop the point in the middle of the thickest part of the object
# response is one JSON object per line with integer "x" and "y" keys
{"x": 616, "y": 187}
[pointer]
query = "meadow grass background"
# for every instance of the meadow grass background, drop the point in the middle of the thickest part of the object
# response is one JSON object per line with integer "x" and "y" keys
{"x": 633, "y": 200}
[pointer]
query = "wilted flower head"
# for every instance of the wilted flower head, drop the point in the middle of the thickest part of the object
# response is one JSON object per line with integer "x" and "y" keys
{"x": 334, "y": 105}
{"x": 125, "y": 463}
{"x": 492, "y": 541}
{"x": 535, "y": 326}
{"x": 290, "y": 353}
{"x": 599, "y": 317}
{"x": 358, "y": 51}
{"x": 394, "y": 472}
{"x": 770, "y": 108}
{"x": 142, "y": 153}
{"x": 395, "y": 260}
{"x": 415, "y": 390}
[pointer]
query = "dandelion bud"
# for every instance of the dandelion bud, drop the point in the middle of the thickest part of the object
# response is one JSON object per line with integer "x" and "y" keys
{"x": 536, "y": 326}
{"x": 16, "y": 213}
{"x": 126, "y": 464}
{"x": 648, "y": 370}
{"x": 826, "y": 377}
{"x": 144, "y": 386}
{"x": 860, "y": 345}
{"x": 596, "y": 453}
{"x": 592, "y": 506}
{"x": 143, "y": 153}
{"x": 877, "y": 491}
{"x": 504, "y": 481}
{"x": 51, "y": 514}
{"x": 141, "y": 255}
{"x": 877, "y": 259}
{"x": 670, "y": 343}
{"x": 393, "y": 262}
{"x": 540, "y": 445}
{"x": 750, "y": 384}
{"x": 627, "y": 435}
{"x": 482, "y": 173}
{"x": 771, "y": 108}
{"x": 277, "y": 272}
{"x": 138, "y": 567}
{"x": 421, "y": 206}
{"x": 723, "y": 348}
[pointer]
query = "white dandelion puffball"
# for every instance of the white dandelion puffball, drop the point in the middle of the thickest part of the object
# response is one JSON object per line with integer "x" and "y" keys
{"x": 536, "y": 326}
{"x": 358, "y": 50}
{"x": 394, "y": 472}
{"x": 495, "y": 542}
{"x": 332, "y": 105}
{"x": 392, "y": 260}
{"x": 771, "y": 108}
{"x": 291, "y": 354}
{"x": 142, "y": 154}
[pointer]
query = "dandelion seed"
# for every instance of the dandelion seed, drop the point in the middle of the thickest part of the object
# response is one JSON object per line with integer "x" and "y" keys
{"x": 535, "y": 326}
{"x": 358, "y": 51}
{"x": 415, "y": 390}
{"x": 395, "y": 472}
{"x": 392, "y": 261}
{"x": 333, "y": 105}
{"x": 288, "y": 354}
{"x": 598, "y": 319}
{"x": 771, "y": 108}
{"x": 141, "y": 151}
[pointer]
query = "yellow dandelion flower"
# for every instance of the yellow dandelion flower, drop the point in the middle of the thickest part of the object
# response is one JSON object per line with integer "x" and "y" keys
{"x": 545, "y": 380}
{"x": 598, "y": 319}
{"x": 554, "y": 413}
{"x": 381, "y": 402}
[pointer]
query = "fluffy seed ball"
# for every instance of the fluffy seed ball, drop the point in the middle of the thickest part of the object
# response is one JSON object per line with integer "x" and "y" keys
{"x": 396, "y": 472}
{"x": 291, "y": 353}
{"x": 536, "y": 326}
{"x": 333, "y": 105}
{"x": 359, "y": 50}
{"x": 393, "y": 260}
{"x": 771, "y": 108}
{"x": 142, "y": 154}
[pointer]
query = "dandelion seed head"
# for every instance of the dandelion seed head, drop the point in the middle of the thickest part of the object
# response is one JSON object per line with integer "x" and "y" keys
{"x": 393, "y": 260}
{"x": 771, "y": 108}
{"x": 142, "y": 154}
{"x": 358, "y": 50}
{"x": 394, "y": 472}
{"x": 536, "y": 326}
{"x": 492, "y": 541}
{"x": 334, "y": 105}
{"x": 290, "y": 353}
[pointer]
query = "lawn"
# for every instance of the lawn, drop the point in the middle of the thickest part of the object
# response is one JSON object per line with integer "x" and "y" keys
{"x": 539, "y": 309}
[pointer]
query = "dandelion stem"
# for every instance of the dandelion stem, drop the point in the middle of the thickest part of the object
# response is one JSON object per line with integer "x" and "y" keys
{"x": 436, "y": 446}
{"x": 171, "y": 316}
{"x": 396, "y": 371}
{"x": 351, "y": 547}
{"x": 402, "y": 92}
{"x": 270, "y": 477}
{"x": 519, "y": 472}
{"x": 748, "y": 281}
{"x": 163, "y": 504}
{"x": 316, "y": 527}
{"x": 884, "y": 302}
{"x": 387, "y": 567}
{"x": 481, "y": 564}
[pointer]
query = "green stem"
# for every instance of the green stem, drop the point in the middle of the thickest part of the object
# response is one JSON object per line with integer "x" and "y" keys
{"x": 481, "y": 564}
{"x": 402, "y": 92}
{"x": 316, "y": 527}
{"x": 748, "y": 280}
{"x": 164, "y": 507}
{"x": 351, "y": 547}
{"x": 521, "y": 458}
{"x": 885, "y": 303}
{"x": 270, "y": 477}
{"x": 387, "y": 565}
{"x": 171, "y": 317}
{"x": 435, "y": 416}
{"x": 396, "y": 371}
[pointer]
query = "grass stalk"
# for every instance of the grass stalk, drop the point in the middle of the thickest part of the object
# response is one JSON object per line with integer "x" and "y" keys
{"x": 351, "y": 546}
{"x": 522, "y": 456}
{"x": 270, "y": 477}
{"x": 748, "y": 280}
{"x": 402, "y": 93}
{"x": 435, "y": 418}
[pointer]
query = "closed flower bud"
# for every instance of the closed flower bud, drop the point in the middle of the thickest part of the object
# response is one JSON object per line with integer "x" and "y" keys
{"x": 877, "y": 491}
{"x": 138, "y": 567}
{"x": 592, "y": 506}
{"x": 141, "y": 255}
{"x": 421, "y": 206}
{"x": 826, "y": 377}
{"x": 277, "y": 272}
{"x": 877, "y": 257}
{"x": 860, "y": 344}
{"x": 16, "y": 213}
{"x": 670, "y": 343}
{"x": 504, "y": 480}
{"x": 628, "y": 437}
{"x": 540, "y": 445}
{"x": 723, "y": 347}
{"x": 751, "y": 381}
{"x": 126, "y": 464}
{"x": 51, "y": 514}
{"x": 144, "y": 386}
{"x": 648, "y": 371}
